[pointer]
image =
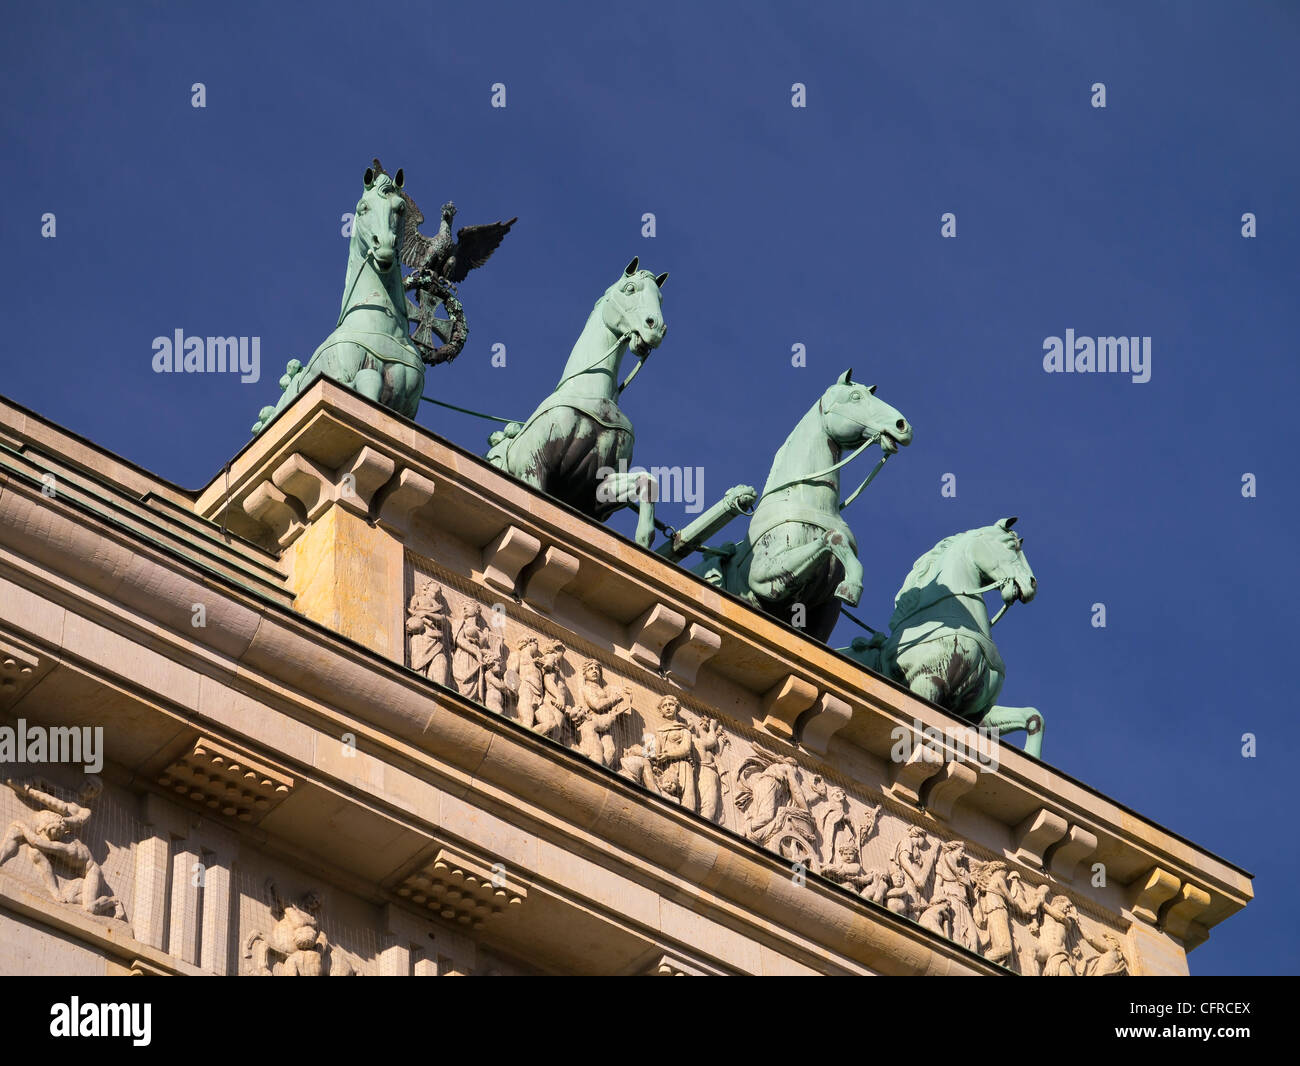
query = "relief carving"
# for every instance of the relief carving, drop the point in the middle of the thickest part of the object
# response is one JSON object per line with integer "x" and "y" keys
{"x": 48, "y": 842}
{"x": 295, "y": 946}
{"x": 685, "y": 755}
{"x": 428, "y": 625}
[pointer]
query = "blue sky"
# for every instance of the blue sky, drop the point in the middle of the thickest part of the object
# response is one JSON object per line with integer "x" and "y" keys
{"x": 779, "y": 225}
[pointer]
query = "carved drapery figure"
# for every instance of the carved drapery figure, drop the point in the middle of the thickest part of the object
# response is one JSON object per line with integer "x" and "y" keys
{"x": 51, "y": 838}
{"x": 635, "y": 764}
{"x": 770, "y": 796}
{"x": 429, "y": 627}
{"x": 937, "y": 917}
{"x": 952, "y": 882}
{"x": 468, "y": 650}
{"x": 999, "y": 893}
{"x": 674, "y": 756}
{"x": 914, "y": 859}
{"x": 601, "y": 705}
{"x": 836, "y": 824}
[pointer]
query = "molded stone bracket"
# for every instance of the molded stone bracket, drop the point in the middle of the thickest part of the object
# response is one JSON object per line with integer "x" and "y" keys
{"x": 1179, "y": 918}
{"x": 948, "y": 786}
{"x": 1148, "y": 894}
{"x": 510, "y": 551}
{"x": 822, "y": 721}
{"x": 360, "y": 478}
{"x": 547, "y": 577}
{"x": 407, "y": 493}
{"x": 1064, "y": 859}
{"x": 1036, "y": 834}
{"x": 687, "y": 652}
{"x": 281, "y": 514}
{"x": 650, "y": 634}
{"x": 907, "y": 779}
{"x": 784, "y": 702}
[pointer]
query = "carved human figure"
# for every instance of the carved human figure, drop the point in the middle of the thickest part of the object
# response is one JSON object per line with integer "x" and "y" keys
{"x": 772, "y": 799}
{"x": 914, "y": 858}
{"x": 600, "y": 706}
{"x": 296, "y": 946}
{"x": 846, "y": 868}
{"x": 636, "y": 765}
{"x": 1110, "y": 962}
{"x": 999, "y": 892}
{"x": 429, "y": 626}
{"x": 709, "y": 739}
{"x": 1053, "y": 953}
{"x": 498, "y": 681}
{"x": 550, "y": 716}
{"x": 52, "y": 836}
{"x": 674, "y": 755}
{"x": 468, "y": 651}
{"x": 875, "y": 884}
{"x": 937, "y": 917}
{"x": 899, "y": 897}
{"x": 835, "y": 823}
{"x": 532, "y": 686}
{"x": 952, "y": 882}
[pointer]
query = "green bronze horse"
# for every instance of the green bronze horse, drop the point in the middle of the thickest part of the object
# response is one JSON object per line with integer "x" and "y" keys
{"x": 799, "y": 552}
{"x": 940, "y": 643}
{"x": 577, "y": 445}
{"x": 370, "y": 349}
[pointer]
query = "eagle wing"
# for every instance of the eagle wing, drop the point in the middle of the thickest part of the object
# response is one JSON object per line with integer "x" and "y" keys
{"x": 475, "y": 245}
{"x": 416, "y": 247}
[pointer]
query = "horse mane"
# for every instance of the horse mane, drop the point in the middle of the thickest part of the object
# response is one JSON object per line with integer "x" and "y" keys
{"x": 922, "y": 570}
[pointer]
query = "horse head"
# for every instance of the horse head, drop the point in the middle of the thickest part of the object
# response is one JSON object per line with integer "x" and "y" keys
{"x": 851, "y": 415}
{"x": 378, "y": 223}
{"x": 633, "y": 307}
{"x": 998, "y": 554}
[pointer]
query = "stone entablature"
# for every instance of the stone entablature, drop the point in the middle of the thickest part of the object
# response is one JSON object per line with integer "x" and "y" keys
{"x": 355, "y": 508}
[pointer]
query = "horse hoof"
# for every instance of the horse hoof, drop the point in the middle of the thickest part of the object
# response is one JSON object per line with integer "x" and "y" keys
{"x": 849, "y": 594}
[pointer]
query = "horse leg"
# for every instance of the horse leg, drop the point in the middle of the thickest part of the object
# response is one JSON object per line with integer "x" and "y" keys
{"x": 369, "y": 383}
{"x": 1009, "y": 719}
{"x": 850, "y": 589}
{"x": 627, "y": 488}
{"x": 778, "y": 574}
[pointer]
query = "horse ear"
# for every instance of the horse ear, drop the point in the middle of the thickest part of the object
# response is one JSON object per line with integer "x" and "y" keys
{"x": 1007, "y": 523}
{"x": 846, "y": 378}
{"x": 871, "y": 390}
{"x": 631, "y": 267}
{"x": 661, "y": 279}
{"x": 368, "y": 178}
{"x": 398, "y": 178}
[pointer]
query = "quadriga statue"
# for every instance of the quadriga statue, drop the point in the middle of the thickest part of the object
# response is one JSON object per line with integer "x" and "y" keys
{"x": 799, "y": 560}
{"x": 577, "y": 445}
{"x": 940, "y": 642}
{"x": 371, "y": 349}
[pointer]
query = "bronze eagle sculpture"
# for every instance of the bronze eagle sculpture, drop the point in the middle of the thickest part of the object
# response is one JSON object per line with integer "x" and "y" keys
{"x": 437, "y": 263}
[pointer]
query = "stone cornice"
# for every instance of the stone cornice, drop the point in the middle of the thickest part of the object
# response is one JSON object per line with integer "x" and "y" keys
{"x": 480, "y": 505}
{"x": 141, "y": 596}
{"x": 802, "y": 691}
